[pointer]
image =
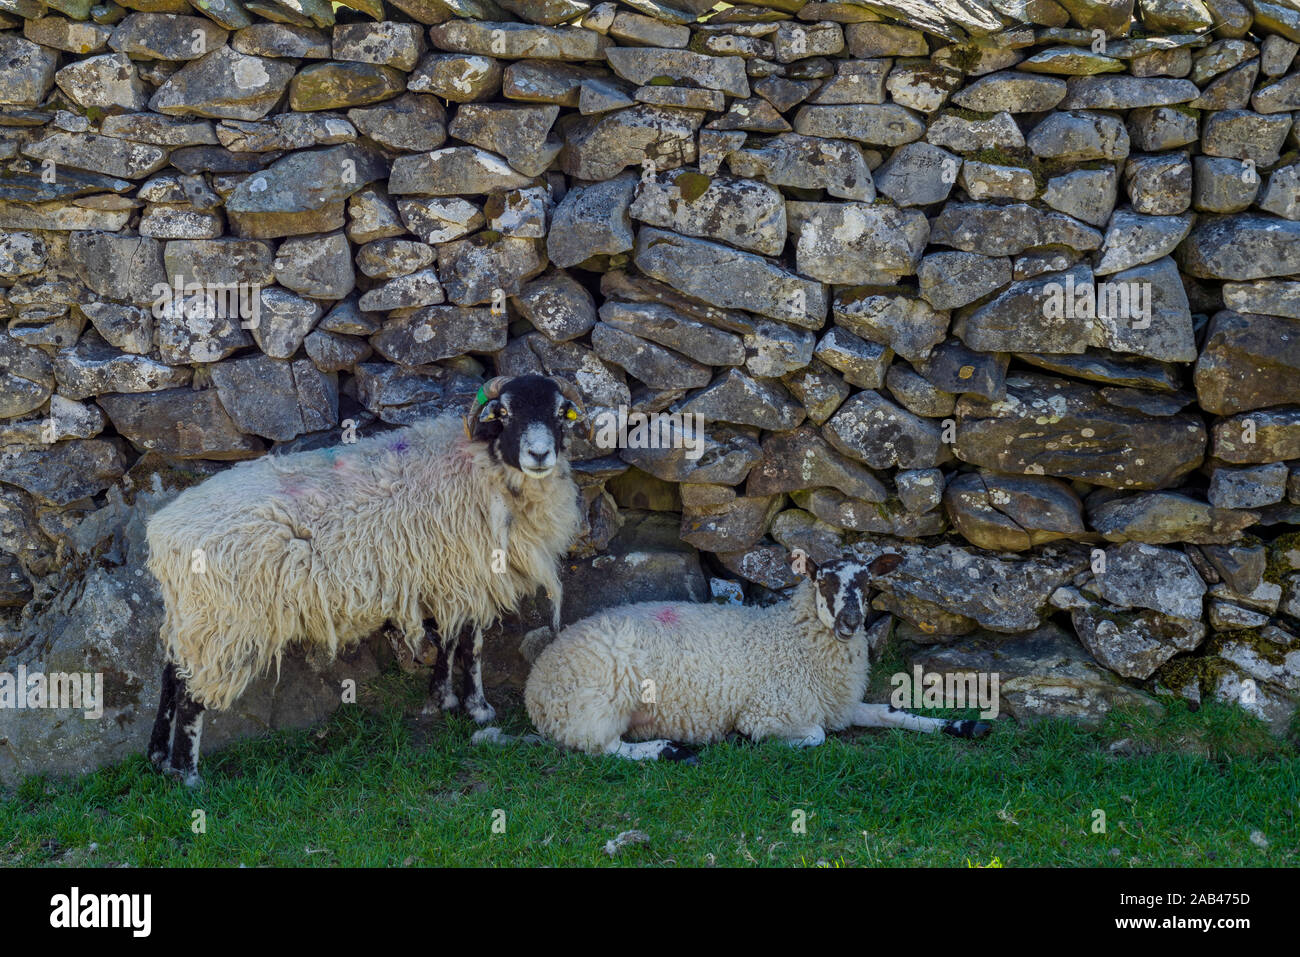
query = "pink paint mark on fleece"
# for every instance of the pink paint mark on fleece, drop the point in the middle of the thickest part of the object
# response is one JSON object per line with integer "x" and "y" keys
{"x": 667, "y": 616}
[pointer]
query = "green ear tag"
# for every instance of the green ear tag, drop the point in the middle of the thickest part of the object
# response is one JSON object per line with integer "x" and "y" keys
{"x": 481, "y": 397}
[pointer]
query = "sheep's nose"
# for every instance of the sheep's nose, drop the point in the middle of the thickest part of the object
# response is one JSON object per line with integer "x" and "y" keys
{"x": 539, "y": 455}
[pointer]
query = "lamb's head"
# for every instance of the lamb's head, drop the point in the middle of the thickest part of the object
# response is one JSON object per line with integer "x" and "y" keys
{"x": 842, "y": 588}
{"x": 525, "y": 421}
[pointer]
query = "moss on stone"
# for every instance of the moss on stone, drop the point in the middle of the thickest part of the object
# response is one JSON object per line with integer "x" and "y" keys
{"x": 692, "y": 185}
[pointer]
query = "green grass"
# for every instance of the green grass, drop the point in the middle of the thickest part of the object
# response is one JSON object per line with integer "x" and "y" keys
{"x": 385, "y": 788}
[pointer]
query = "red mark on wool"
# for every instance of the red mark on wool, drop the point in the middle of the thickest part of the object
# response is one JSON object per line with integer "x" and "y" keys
{"x": 667, "y": 616}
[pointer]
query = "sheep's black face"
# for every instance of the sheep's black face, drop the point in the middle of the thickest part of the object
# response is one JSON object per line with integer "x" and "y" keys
{"x": 526, "y": 426}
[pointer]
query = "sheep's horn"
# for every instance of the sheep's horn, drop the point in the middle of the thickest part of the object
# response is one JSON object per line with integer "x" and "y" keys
{"x": 486, "y": 393}
{"x": 568, "y": 390}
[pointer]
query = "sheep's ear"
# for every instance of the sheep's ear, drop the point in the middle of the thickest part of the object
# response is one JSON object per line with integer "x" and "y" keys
{"x": 801, "y": 563}
{"x": 489, "y": 411}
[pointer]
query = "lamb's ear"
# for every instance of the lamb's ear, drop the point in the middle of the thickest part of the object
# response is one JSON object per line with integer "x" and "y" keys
{"x": 801, "y": 563}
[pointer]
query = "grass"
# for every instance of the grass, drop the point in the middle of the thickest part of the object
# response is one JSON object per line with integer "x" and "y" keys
{"x": 385, "y": 788}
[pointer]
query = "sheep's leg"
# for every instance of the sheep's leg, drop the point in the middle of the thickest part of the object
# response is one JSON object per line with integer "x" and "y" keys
{"x": 887, "y": 716}
{"x": 441, "y": 695}
{"x": 189, "y": 730}
{"x": 494, "y": 735}
{"x": 471, "y": 669}
{"x": 160, "y": 740}
{"x": 656, "y": 750}
{"x": 809, "y": 737}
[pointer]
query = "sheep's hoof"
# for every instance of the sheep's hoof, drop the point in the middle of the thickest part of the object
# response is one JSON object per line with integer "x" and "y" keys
{"x": 158, "y": 759}
{"x": 968, "y": 729}
{"x": 481, "y": 712}
{"x": 675, "y": 751}
{"x": 188, "y": 778}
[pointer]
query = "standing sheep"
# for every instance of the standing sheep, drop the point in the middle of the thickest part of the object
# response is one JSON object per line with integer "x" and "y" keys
{"x": 666, "y": 673}
{"x": 452, "y": 521}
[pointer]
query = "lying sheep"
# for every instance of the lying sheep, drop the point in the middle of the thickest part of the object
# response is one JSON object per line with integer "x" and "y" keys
{"x": 668, "y": 673}
{"x": 452, "y": 521}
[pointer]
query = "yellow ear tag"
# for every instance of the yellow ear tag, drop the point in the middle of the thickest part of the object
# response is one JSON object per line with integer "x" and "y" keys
{"x": 571, "y": 414}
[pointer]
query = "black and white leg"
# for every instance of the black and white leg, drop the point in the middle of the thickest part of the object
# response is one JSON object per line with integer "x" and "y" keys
{"x": 471, "y": 682}
{"x": 809, "y": 737}
{"x": 887, "y": 716}
{"x": 160, "y": 741}
{"x": 659, "y": 749}
{"x": 184, "y": 761}
{"x": 442, "y": 697}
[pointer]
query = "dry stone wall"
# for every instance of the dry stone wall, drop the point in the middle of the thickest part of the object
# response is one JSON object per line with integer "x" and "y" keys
{"x": 1008, "y": 286}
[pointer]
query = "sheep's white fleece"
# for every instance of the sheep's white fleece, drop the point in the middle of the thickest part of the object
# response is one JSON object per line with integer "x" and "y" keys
{"x": 325, "y": 546}
{"x": 765, "y": 672}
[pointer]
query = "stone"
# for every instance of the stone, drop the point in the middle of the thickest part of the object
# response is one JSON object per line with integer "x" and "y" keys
{"x": 725, "y": 457}
{"x": 93, "y": 367}
{"x": 1252, "y": 487}
{"x": 275, "y": 398}
{"x": 1007, "y": 230}
{"x": 301, "y": 193}
{"x": 179, "y": 423}
{"x": 1162, "y": 127}
{"x": 439, "y": 332}
{"x": 731, "y": 527}
{"x": 419, "y": 288}
{"x": 224, "y": 84}
{"x": 410, "y": 122}
{"x": 281, "y": 40}
{"x": 165, "y": 36}
{"x": 451, "y": 171}
{"x": 1162, "y": 518}
{"x": 1077, "y": 137}
{"x": 1159, "y": 185}
{"x": 519, "y": 40}
{"x": 1134, "y": 240}
{"x": 949, "y": 280}
{"x": 918, "y": 174}
{"x": 28, "y": 70}
{"x": 860, "y": 362}
{"x": 1043, "y": 425}
{"x": 908, "y": 326}
{"x": 519, "y": 133}
{"x": 659, "y": 323}
{"x": 741, "y": 400}
{"x": 807, "y": 162}
{"x": 118, "y": 267}
{"x": 1006, "y": 596}
{"x": 1241, "y": 248}
{"x": 1012, "y": 512}
{"x": 1012, "y": 92}
{"x": 438, "y": 220}
{"x": 386, "y": 43}
{"x": 1247, "y": 362}
{"x": 592, "y": 220}
{"x": 102, "y": 154}
{"x": 802, "y": 459}
{"x": 985, "y": 181}
{"x": 1031, "y": 314}
{"x": 1133, "y": 644}
{"x": 104, "y": 81}
{"x": 1086, "y": 194}
{"x": 1126, "y": 92}
{"x": 473, "y": 269}
{"x": 875, "y": 431}
{"x": 739, "y": 212}
{"x": 640, "y": 65}
{"x": 652, "y": 364}
{"x": 458, "y": 77}
{"x": 335, "y": 86}
{"x": 558, "y": 306}
{"x": 876, "y": 124}
{"x": 856, "y": 243}
{"x": 1137, "y": 575}
{"x": 966, "y": 135}
{"x": 599, "y": 147}
{"x": 729, "y": 279}
{"x": 1241, "y": 134}
{"x": 319, "y": 267}
{"x": 65, "y": 472}
{"x": 1162, "y": 327}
